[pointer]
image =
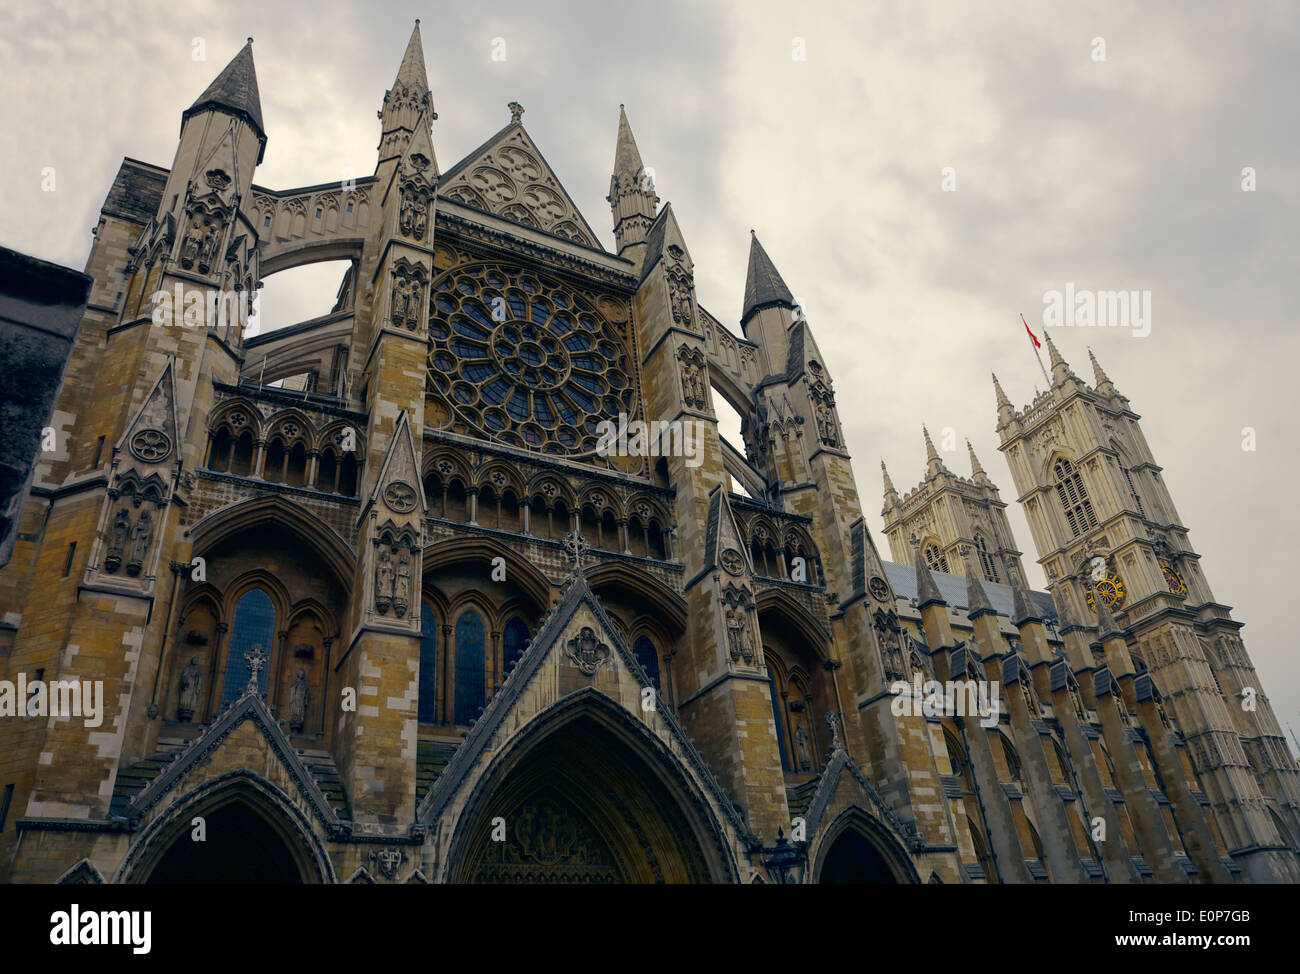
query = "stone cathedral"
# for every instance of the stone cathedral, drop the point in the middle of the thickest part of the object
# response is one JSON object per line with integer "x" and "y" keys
{"x": 368, "y": 600}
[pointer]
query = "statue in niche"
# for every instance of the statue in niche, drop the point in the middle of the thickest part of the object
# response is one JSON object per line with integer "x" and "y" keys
{"x": 209, "y": 249}
{"x": 298, "y": 702}
{"x": 190, "y": 249}
{"x": 738, "y": 637}
{"x": 802, "y": 751}
{"x": 406, "y": 223}
{"x": 421, "y": 213}
{"x": 825, "y": 423}
{"x": 188, "y": 696}
{"x": 117, "y": 541}
{"x": 402, "y": 585}
{"x": 401, "y": 300}
{"x": 141, "y": 538}
{"x": 383, "y": 582}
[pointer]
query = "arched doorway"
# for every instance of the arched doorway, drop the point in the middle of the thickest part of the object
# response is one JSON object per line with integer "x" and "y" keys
{"x": 859, "y": 850}
{"x": 240, "y": 847}
{"x": 586, "y": 798}
{"x": 252, "y": 833}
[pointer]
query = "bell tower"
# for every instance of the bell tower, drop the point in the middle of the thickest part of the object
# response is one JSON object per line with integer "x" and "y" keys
{"x": 1106, "y": 528}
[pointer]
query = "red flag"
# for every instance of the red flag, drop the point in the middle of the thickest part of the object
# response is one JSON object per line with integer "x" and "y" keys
{"x": 1032, "y": 337}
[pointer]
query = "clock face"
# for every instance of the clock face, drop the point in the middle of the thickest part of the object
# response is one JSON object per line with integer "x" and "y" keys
{"x": 1111, "y": 589}
{"x": 1172, "y": 578}
{"x": 523, "y": 359}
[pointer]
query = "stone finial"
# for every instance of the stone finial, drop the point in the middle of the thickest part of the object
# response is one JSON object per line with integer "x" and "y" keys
{"x": 516, "y": 112}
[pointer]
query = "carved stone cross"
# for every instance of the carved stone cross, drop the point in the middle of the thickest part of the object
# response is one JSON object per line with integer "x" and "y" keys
{"x": 833, "y": 719}
{"x": 256, "y": 658}
{"x": 575, "y": 546}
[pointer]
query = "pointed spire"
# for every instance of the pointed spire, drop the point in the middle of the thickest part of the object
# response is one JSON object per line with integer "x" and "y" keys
{"x": 927, "y": 592}
{"x": 977, "y": 600}
{"x": 1106, "y": 625}
{"x": 631, "y": 193}
{"x": 1065, "y": 621}
{"x": 1006, "y": 412}
{"x": 1060, "y": 370}
{"x": 1102, "y": 383}
{"x": 763, "y": 283}
{"x": 1023, "y": 608}
{"x": 891, "y": 495}
{"x": 410, "y": 73}
{"x": 627, "y": 157}
{"x": 934, "y": 465}
{"x": 976, "y": 469}
{"x": 234, "y": 91}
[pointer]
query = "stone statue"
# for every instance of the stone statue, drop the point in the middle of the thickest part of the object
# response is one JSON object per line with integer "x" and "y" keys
{"x": 209, "y": 248}
{"x": 802, "y": 751}
{"x": 738, "y": 637}
{"x": 401, "y": 300}
{"x": 188, "y": 698}
{"x": 407, "y": 221}
{"x": 383, "y": 582}
{"x": 117, "y": 542}
{"x": 421, "y": 212}
{"x": 141, "y": 538}
{"x": 402, "y": 586}
{"x": 190, "y": 249}
{"x": 298, "y": 702}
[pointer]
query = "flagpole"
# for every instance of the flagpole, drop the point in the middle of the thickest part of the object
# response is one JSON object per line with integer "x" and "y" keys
{"x": 1034, "y": 342}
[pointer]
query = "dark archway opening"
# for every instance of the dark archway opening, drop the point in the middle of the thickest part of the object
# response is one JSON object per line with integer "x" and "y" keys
{"x": 853, "y": 859}
{"x": 240, "y": 847}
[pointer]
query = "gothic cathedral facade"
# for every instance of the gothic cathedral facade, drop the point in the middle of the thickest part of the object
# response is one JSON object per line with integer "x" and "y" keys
{"x": 373, "y": 597}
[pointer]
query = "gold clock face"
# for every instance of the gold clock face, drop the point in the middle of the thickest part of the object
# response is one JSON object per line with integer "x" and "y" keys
{"x": 1111, "y": 589}
{"x": 1173, "y": 579}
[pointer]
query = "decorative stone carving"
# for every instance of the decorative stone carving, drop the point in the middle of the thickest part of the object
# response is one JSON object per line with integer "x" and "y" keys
{"x": 117, "y": 540}
{"x": 402, "y": 586}
{"x": 141, "y": 539}
{"x": 680, "y": 284}
{"x": 298, "y": 702}
{"x": 188, "y": 696}
{"x": 802, "y": 751}
{"x": 878, "y": 589}
{"x": 732, "y": 560}
{"x": 400, "y": 496}
{"x": 388, "y": 861}
{"x": 151, "y": 446}
{"x": 587, "y": 652}
{"x": 694, "y": 391}
{"x": 383, "y": 582}
{"x": 736, "y": 604}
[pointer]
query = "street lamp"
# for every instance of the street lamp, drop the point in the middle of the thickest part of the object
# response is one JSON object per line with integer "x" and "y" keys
{"x": 786, "y": 864}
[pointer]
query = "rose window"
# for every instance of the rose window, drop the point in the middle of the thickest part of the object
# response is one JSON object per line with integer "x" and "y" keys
{"x": 522, "y": 359}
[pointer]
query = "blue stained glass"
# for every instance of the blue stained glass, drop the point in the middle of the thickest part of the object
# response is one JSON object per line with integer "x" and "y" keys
{"x": 428, "y": 711}
{"x": 588, "y": 383}
{"x": 478, "y": 371}
{"x": 517, "y": 407}
{"x": 567, "y": 412}
{"x": 253, "y": 625}
{"x": 470, "y": 692}
{"x": 542, "y": 412}
{"x": 584, "y": 401}
{"x": 577, "y": 343}
{"x": 469, "y": 329}
{"x": 517, "y": 306}
{"x": 540, "y": 313}
{"x": 513, "y": 639}
{"x": 644, "y": 651}
{"x": 496, "y": 391}
{"x": 586, "y": 362}
{"x": 480, "y": 315}
{"x": 466, "y": 350}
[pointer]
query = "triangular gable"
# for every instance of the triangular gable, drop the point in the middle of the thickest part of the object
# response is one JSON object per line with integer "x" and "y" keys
{"x": 248, "y": 708}
{"x": 842, "y": 770}
{"x": 578, "y": 609}
{"x": 157, "y": 415}
{"x": 721, "y": 535}
{"x": 398, "y": 475}
{"x": 509, "y": 176}
{"x": 664, "y": 234}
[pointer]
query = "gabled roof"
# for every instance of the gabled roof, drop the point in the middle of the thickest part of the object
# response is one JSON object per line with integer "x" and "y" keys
{"x": 234, "y": 91}
{"x": 508, "y": 176}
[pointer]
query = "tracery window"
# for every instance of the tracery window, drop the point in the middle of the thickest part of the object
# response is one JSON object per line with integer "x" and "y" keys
{"x": 987, "y": 564}
{"x": 514, "y": 640}
{"x": 935, "y": 559}
{"x": 1074, "y": 497}
{"x": 470, "y": 690}
{"x": 252, "y": 626}
{"x": 646, "y": 654}
{"x": 523, "y": 359}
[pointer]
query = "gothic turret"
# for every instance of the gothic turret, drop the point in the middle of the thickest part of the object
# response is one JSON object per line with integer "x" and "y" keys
{"x": 933, "y": 463}
{"x": 631, "y": 194}
{"x": 769, "y": 307}
{"x": 891, "y": 495}
{"x": 408, "y": 105}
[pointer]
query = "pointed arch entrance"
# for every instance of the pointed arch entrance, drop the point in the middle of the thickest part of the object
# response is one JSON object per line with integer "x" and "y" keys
{"x": 252, "y": 834}
{"x": 587, "y": 795}
{"x": 858, "y": 849}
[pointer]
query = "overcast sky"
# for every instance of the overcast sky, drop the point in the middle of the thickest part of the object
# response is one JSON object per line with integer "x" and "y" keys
{"x": 1122, "y": 173}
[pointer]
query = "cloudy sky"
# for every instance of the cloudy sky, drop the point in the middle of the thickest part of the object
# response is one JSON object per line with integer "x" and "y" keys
{"x": 1122, "y": 173}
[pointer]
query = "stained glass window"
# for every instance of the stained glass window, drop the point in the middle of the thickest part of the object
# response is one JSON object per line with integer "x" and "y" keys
{"x": 470, "y": 693}
{"x": 253, "y": 626}
{"x": 648, "y": 657}
{"x": 513, "y": 640}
